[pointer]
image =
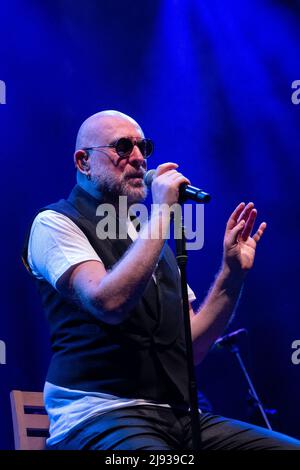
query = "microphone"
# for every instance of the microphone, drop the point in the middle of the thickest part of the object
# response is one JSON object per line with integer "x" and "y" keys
{"x": 230, "y": 339}
{"x": 186, "y": 191}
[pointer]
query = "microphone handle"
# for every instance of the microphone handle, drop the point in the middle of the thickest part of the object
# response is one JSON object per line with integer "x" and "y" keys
{"x": 187, "y": 191}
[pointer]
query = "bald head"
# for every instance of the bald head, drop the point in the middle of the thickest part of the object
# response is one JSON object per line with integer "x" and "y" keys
{"x": 101, "y": 171}
{"x": 101, "y": 124}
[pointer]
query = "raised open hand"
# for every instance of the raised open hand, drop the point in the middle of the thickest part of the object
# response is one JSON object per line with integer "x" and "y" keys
{"x": 239, "y": 245}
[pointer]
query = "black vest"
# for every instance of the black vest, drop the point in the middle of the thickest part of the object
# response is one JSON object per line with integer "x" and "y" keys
{"x": 144, "y": 356}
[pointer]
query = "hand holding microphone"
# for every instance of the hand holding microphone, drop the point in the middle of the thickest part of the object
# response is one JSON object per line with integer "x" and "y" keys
{"x": 169, "y": 186}
{"x": 165, "y": 182}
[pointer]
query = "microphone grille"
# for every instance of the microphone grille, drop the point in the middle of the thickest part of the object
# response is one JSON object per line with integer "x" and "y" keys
{"x": 148, "y": 177}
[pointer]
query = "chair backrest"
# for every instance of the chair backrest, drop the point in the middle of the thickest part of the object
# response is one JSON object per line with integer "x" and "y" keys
{"x": 30, "y": 421}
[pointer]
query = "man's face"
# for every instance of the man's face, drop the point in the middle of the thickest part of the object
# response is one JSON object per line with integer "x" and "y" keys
{"x": 115, "y": 176}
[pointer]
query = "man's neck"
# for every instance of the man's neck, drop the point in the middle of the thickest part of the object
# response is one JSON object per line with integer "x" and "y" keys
{"x": 91, "y": 190}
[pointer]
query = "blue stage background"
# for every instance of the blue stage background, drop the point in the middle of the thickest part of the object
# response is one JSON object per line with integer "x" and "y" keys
{"x": 210, "y": 82}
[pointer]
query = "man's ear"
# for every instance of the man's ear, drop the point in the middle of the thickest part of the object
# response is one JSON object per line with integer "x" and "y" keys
{"x": 81, "y": 161}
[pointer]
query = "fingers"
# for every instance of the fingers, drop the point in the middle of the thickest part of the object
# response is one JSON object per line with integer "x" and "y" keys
{"x": 176, "y": 177}
{"x": 241, "y": 212}
{"x": 169, "y": 171}
{"x": 241, "y": 223}
{"x": 260, "y": 231}
{"x": 235, "y": 232}
{"x": 245, "y": 213}
{"x": 161, "y": 169}
{"x": 249, "y": 223}
{"x": 166, "y": 184}
{"x": 232, "y": 221}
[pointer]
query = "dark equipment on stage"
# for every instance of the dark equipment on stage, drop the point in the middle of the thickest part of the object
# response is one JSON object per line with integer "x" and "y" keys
{"x": 230, "y": 341}
{"x": 187, "y": 192}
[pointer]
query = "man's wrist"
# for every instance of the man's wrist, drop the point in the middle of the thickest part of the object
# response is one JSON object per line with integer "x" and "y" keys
{"x": 231, "y": 278}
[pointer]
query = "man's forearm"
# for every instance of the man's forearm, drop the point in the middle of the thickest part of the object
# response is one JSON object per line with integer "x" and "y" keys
{"x": 213, "y": 315}
{"x": 121, "y": 288}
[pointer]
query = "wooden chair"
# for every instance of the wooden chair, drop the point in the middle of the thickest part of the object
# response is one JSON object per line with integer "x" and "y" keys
{"x": 30, "y": 421}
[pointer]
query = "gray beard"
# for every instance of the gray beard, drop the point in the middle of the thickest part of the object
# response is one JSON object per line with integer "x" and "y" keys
{"x": 112, "y": 190}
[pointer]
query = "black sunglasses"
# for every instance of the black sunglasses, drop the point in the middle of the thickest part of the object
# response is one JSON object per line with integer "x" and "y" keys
{"x": 124, "y": 146}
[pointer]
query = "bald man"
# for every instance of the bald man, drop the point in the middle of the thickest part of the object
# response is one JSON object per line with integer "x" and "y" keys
{"x": 118, "y": 376}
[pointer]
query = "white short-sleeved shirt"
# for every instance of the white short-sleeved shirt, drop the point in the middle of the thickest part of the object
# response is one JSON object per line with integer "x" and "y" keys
{"x": 56, "y": 243}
